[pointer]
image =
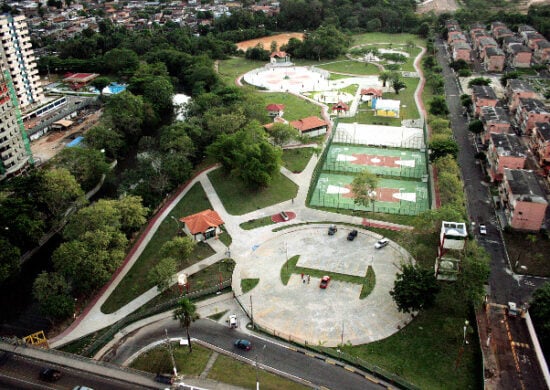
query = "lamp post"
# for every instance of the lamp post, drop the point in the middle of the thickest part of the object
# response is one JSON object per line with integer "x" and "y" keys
{"x": 466, "y": 323}
{"x": 257, "y": 377}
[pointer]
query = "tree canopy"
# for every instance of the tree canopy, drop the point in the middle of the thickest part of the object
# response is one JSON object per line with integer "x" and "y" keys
{"x": 364, "y": 187}
{"x": 414, "y": 289}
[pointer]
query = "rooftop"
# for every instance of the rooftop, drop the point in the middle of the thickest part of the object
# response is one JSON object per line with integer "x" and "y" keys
{"x": 308, "y": 123}
{"x": 534, "y": 105}
{"x": 519, "y": 85}
{"x": 494, "y": 51}
{"x": 455, "y": 229}
{"x": 508, "y": 145}
{"x": 524, "y": 185}
{"x": 544, "y": 130}
{"x": 494, "y": 114}
{"x": 200, "y": 222}
{"x": 484, "y": 92}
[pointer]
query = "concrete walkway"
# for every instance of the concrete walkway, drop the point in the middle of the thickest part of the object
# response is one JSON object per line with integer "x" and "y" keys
{"x": 243, "y": 244}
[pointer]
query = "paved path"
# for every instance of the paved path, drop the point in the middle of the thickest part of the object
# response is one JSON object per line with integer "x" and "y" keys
{"x": 92, "y": 319}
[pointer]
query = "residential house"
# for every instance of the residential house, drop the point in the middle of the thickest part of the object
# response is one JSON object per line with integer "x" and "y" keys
{"x": 274, "y": 110}
{"x": 477, "y": 36}
{"x": 454, "y": 34}
{"x": 529, "y": 112}
{"x": 510, "y": 41}
{"x": 475, "y": 29}
{"x": 542, "y": 52}
{"x": 519, "y": 56}
{"x": 483, "y": 95}
{"x": 494, "y": 59}
{"x": 311, "y": 126}
{"x": 500, "y": 30}
{"x": 457, "y": 38}
{"x": 505, "y": 151}
{"x": 495, "y": 120}
{"x": 485, "y": 43}
{"x": 524, "y": 28}
{"x": 516, "y": 89}
{"x": 203, "y": 225}
{"x": 532, "y": 39}
{"x": 539, "y": 144}
{"x": 523, "y": 200}
{"x": 461, "y": 51}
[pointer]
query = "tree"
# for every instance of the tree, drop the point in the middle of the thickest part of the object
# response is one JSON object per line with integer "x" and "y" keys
{"x": 325, "y": 42}
{"x": 384, "y": 77}
{"x": 540, "y": 312}
{"x": 179, "y": 248}
{"x": 414, "y": 289}
{"x": 126, "y": 112}
{"x": 474, "y": 272}
{"x": 100, "y": 215}
{"x": 479, "y": 81}
{"x": 86, "y": 165}
{"x": 60, "y": 191}
{"x": 132, "y": 213}
{"x": 364, "y": 187}
{"x": 397, "y": 85}
{"x": 52, "y": 292}
{"x": 441, "y": 146}
{"x": 100, "y": 83}
{"x": 9, "y": 259}
{"x": 162, "y": 273}
{"x": 430, "y": 220}
{"x": 438, "y": 106}
{"x": 121, "y": 61}
{"x": 186, "y": 313}
{"x": 102, "y": 137}
{"x": 282, "y": 133}
{"x": 476, "y": 126}
{"x": 424, "y": 30}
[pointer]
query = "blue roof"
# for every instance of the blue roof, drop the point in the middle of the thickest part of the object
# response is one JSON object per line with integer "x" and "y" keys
{"x": 75, "y": 142}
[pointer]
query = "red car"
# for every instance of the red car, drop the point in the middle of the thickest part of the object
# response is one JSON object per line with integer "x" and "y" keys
{"x": 324, "y": 282}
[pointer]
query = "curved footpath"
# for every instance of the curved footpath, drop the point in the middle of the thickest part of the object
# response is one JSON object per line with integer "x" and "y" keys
{"x": 92, "y": 319}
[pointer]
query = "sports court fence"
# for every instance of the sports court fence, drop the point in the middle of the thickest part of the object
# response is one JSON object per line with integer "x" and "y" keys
{"x": 335, "y": 167}
{"x": 319, "y": 167}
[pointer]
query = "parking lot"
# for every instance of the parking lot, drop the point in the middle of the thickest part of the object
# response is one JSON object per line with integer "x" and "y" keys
{"x": 322, "y": 316}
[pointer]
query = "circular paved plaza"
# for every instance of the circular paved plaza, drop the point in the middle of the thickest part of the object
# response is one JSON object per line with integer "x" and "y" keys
{"x": 305, "y": 313}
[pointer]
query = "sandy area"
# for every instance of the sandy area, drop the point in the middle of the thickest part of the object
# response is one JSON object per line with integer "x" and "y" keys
{"x": 281, "y": 39}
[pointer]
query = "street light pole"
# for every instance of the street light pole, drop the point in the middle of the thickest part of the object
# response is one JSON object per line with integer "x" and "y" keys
{"x": 177, "y": 222}
{"x": 257, "y": 373}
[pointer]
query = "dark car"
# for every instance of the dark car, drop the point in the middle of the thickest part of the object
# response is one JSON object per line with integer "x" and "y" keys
{"x": 325, "y": 280}
{"x": 243, "y": 344}
{"x": 49, "y": 374}
{"x": 352, "y": 235}
{"x": 162, "y": 378}
{"x": 332, "y": 229}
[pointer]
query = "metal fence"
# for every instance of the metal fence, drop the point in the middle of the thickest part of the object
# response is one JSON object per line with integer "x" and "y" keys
{"x": 102, "y": 340}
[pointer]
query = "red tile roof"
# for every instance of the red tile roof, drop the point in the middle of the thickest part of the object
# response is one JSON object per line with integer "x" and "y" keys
{"x": 308, "y": 123}
{"x": 275, "y": 107}
{"x": 371, "y": 91}
{"x": 279, "y": 54}
{"x": 340, "y": 106}
{"x": 200, "y": 222}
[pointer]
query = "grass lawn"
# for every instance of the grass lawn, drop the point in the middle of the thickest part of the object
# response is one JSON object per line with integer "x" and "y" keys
{"x": 237, "y": 373}
{"x": 256, "y": 223}
{"x": 295, "y": 108}
{"x": 345, "y": 65}
{"x": 426, "y": 351}
{"x": 238, "y": 199}
{"x": 249, "y": 284}
{"x": 383, "y": 38}
{"x": 135, "y": 282}
{"x": 295, "y": 160}
{"x": 157, "y": 360}
{"x": 368, "y": 281}
{"x": 232, "y": 68}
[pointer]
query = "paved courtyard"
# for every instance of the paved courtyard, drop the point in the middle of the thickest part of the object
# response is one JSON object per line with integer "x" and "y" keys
{"x": 305, "y": 313}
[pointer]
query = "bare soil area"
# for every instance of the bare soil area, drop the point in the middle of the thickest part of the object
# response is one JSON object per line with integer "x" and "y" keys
{"x": 281, "y": 39}
{"x": 437, "y": 6}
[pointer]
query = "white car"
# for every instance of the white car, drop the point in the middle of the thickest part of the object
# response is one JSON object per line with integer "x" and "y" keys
{"x": 381, "y": 243}
{"x": 233, "y": 321}
{"x": 482, "y": 229}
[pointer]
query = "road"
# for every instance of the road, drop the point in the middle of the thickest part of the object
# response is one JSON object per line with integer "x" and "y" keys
{"x": 504, "y": 285}
{"x": 19, "y": 372}
{"x": 275, "y": 355}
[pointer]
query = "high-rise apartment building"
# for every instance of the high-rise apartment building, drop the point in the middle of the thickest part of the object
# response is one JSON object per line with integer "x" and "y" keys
{"x": 19, "y": 59}
{"x": 15, "y": 150}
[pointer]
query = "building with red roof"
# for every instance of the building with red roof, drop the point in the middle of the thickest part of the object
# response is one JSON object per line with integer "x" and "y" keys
{"x": 274, "y": 110}
{"x": 279, "y": 58}
{"x": 340, "y": 106}
{"x": 311, "y": 126}
{"x": 203, "y": 225}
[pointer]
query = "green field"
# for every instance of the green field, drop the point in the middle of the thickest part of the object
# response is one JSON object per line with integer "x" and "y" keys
{"x": 295, "y": 108}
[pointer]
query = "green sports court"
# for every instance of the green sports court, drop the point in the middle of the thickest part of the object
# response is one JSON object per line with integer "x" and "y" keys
{"x": 383, "y": 161}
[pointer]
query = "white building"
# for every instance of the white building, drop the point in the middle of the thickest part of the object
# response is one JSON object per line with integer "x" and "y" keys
{"x": 19, "y": 60}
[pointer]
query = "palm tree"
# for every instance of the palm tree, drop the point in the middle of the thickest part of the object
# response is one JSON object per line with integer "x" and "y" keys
{"x": 186, "y": 313}
{"x": 384, "y": 77}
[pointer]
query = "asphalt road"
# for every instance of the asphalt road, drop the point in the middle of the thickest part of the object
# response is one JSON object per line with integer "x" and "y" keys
{"x": 18, "y": 372}
{"x": 274, "y": 355}
{"x": 504, "y": 285}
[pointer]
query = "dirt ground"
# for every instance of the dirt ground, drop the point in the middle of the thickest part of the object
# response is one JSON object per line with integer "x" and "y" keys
{"x": 281, "y": 39}
{"x": 437, "y": 6}
{"x": 53, "y": 142}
